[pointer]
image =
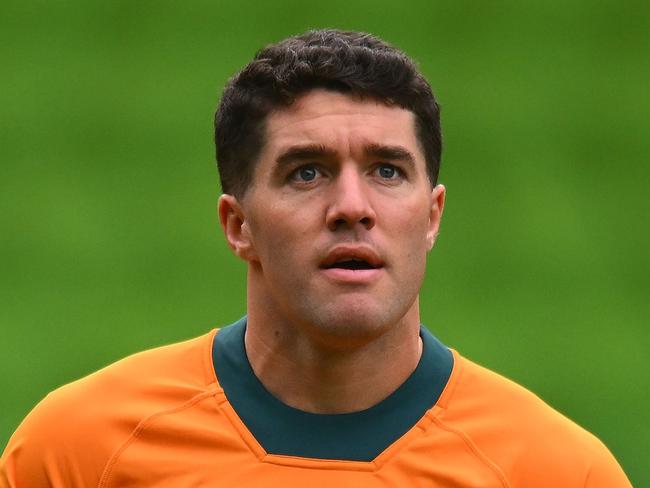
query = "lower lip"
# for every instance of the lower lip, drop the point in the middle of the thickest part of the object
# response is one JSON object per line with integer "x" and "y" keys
{"x": 353, "y": 276}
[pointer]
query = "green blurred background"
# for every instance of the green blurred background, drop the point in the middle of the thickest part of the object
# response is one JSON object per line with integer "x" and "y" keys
{"x": 109, "y": 241}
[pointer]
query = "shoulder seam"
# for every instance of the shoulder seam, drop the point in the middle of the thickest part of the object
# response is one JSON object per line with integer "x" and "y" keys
{"x": 142, "y": 425}
{"x": 453, "y": 381}
{"x": 587, "y": 477}
{"x": 493, "y": 466}
{"x": 206, "y": 353}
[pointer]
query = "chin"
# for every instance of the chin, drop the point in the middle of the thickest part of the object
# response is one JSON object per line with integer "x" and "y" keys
{"x": 352, "y": 325}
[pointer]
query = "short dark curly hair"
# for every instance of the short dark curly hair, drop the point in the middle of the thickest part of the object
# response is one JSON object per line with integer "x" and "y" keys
{"x": 350, "y": 62}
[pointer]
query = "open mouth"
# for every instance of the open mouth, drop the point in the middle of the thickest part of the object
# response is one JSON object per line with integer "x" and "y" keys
{"x": 343, "y": 259}
{"x": 353, "y": 264}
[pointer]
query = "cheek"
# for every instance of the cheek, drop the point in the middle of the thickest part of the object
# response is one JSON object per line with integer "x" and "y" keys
{"x": 412, "y": 243}
{"x": 409, "y": 223}
{"x": 279, "y": 240}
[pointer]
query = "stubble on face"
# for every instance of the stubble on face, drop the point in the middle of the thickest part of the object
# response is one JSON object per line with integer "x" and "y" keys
{"x": 293, "y": 224}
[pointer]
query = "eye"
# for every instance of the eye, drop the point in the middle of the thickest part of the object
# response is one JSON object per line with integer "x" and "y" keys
{"x": 388, "y": 171}
{"x": 305, "y": 174}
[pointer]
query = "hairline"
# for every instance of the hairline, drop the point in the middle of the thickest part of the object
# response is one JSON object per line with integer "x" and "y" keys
{"x": 359, "y": 96}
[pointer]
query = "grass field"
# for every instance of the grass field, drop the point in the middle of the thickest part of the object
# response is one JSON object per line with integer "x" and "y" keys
{"x": 109, "y": 241}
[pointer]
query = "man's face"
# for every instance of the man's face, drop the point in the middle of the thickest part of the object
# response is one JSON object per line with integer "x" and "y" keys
{"x": 339, "y": 217}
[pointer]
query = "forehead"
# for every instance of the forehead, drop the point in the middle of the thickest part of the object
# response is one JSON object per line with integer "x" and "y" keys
{"x": 343, "y": 122}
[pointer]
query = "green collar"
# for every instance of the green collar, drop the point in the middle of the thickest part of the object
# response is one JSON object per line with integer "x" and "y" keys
{"x": 358, "y": 436}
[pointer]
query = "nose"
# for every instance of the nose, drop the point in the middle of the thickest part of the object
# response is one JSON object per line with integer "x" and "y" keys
{"x": 350, "y": 205}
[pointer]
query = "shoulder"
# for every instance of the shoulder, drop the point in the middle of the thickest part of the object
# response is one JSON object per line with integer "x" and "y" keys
{"x": 75, "y": 429}
{"x": 475, "y": 390}
{"x": 532, "y": 443}
{"x": 137, "y": 384}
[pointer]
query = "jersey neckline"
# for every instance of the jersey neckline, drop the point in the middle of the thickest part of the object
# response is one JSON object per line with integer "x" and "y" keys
{"x": 357, "y": 436}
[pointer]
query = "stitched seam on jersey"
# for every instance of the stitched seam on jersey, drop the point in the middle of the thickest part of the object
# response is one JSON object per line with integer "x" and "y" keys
{"x": 453, "y": 381}
{"x": 144, "y": 423}
{"x": 475, "y": 450}
{"x": 283, "y": 460}
{"x": 320, "y": 464}
{"x": 401, "y": 445}
{"x": 208, "y": 365}
{"x": 253, "y": 446}
{"x": 384, "y": 458}
{"x": 591, "y": 468}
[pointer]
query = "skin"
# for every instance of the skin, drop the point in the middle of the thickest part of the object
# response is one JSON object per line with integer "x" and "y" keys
{"x": 339, "y": 178}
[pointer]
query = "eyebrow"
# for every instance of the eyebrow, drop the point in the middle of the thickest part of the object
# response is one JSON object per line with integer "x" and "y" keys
{"x": 307, "y": 152}
{"x": 389, "y": 153}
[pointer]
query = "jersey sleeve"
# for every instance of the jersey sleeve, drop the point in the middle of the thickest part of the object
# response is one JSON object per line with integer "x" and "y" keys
{"x": 68, "y": 439}
{"x": 49, "y": 449}
{"x": 605, "y": 471}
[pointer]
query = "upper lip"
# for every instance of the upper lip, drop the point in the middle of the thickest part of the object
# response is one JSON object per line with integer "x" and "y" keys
{"x": 344, "y": 253}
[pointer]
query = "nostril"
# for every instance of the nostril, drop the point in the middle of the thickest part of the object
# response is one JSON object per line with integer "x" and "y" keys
{"x": 340, "y": 223}
{"x": 343, "y": 223}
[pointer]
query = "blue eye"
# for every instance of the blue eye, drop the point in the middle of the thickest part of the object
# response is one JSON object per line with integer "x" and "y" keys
{"x": 305, "y": 174}
{"x": 387, "y": 171}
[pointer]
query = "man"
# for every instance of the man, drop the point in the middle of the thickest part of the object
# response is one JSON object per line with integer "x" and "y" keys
{"x": 328, "y": 147}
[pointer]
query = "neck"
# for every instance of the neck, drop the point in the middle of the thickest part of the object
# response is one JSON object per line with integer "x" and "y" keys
{"x": 310, "y": 375}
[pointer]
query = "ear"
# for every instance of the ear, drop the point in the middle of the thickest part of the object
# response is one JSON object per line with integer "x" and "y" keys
{"x": 435, "y": 215}
{"x": 235, "y": 227}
